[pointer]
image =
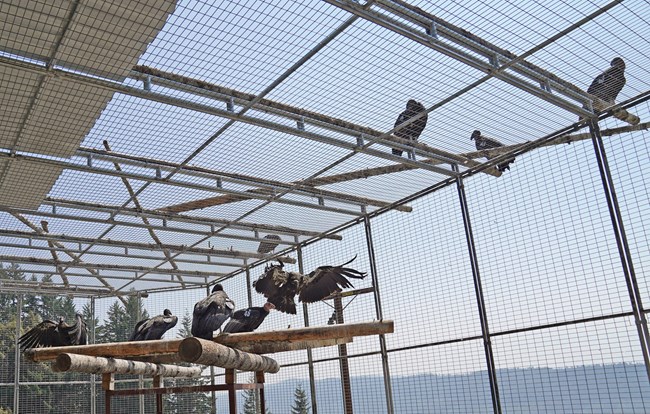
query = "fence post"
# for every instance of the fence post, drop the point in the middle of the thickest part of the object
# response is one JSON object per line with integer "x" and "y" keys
{"x": 93, "y": 391}
{"x": 478, "y": 288}
{"x": 19, "y": 308}
{"x": 621, "y": 242}
{"x": 310, "y": 358}
{"x": 380, "y": 316}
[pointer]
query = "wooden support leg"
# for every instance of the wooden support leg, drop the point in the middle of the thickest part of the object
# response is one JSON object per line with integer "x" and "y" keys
{"x": 157, "y": 383}
{"x": 232, "y": 394}
{"x": 108, "y": 385}
{"x": 259, "y": 378}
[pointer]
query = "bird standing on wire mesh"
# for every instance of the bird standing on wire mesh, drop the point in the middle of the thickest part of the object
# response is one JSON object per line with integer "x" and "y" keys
{"x": 49, "y": 333}
{"x": 210, "y": 313}
{"x": 280, "y": 287}
{"x": 608, "y": 84}
{"x": 484, "y": 143}
{"x": 413, "y": 130}
{"x": 268, "y": 246}
{"x": 247, "y": 320}
{"x": 154, "y": 328}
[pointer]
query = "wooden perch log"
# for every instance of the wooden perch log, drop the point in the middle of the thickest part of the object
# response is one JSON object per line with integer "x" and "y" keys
{"x": 99, "y": 365}
{"x": 201, "y": 351}
{"x": 271, "y": 347}
{"x": 309, "y": 333}
{"x": 114, "y": 349}
{"x": 373, "y": 172}
{"x": 617, "y": 112}
{"x": 238, "y": 340}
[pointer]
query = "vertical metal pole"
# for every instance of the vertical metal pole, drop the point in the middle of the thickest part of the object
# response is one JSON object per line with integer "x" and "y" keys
{"x": 19, "y": 309}
{"x": 248, "y": 284}
{"x": 380, "y": 316}
{"x": 310, "y": 358}
{"x": 140, "y": 377}
{"x": 213, "y": 394}
{"x": 343, "y": 360}
{"x": 93, "y": 391}
{"x": 622, "y": 243}
{"x": 478, "y": 287}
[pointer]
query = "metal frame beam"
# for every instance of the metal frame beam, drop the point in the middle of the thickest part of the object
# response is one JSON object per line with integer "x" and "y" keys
{"x": 183, "y": 218}
{"x": 124, "y": 254}
{"x": 179, "y": 249}
{"x": 70, "y": 165}
{"x": 463, "y": 46}
{"x": 223, "y": 113}
{"x": 266, "y": 186}
{"x": 165, "y": 227}
{"x": 119, "y": 277}
{"x": 105, "y": 266}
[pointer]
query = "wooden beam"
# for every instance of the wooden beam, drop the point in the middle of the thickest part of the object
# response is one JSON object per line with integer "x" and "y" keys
{"x": 390, "y": 169}
{"x": 309, "y": 333}
{"x": 272, "y": 347}
{"x": 113, "y": 349}
{"x": 202, "y": 351}
{"x": 98, "y": 365}
{"x": 170, "y": 346}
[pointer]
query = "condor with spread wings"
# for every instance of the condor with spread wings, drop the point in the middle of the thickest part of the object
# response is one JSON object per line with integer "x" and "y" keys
{"x": 280, "y": 287}
{"x": 49, "y": 333}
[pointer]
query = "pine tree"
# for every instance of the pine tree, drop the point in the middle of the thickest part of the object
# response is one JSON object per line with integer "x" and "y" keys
{"x": 186, "y": 326}
{"x": 300, "y": 402}
{"x": 252, "y": 400}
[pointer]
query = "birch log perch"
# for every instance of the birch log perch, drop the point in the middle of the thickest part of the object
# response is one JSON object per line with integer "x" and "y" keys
{"x": 100, "y": 365}
{"x": 201, "y": 351}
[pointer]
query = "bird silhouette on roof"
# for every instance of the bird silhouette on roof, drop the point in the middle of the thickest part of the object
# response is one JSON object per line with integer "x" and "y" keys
{"x": 413, "y": 130}
{"x": 485, "y": 143}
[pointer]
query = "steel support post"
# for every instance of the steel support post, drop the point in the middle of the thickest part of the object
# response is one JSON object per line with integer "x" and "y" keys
{"x": 19, "y": 308}
{"x": 140, "y": 377}
{"x": 213, "y": 394}
{"x": 380, "y": 316}
{"x": 310, "y": 356}
{"x": 93, "y": 391}
{"x": 478, "y": 287}
{"x": 621, "y": 243}
{"x": 249, "y": 292}
{"x": 343, "y": 360}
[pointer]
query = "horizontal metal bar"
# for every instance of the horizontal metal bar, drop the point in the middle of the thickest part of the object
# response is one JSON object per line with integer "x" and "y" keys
{"x": 67, "y": 164}
{"x": 131, "y": 224}
{"x": 38, "y": 287}
{"x": 465, "y": 39}
{"x": 458, "y": 54}
{"x": 183, "y": 218}
{"x": 157, "y": 97}
{"x": 186, "y": 389}
{"x": 221, "y": 93}
{"x": 106, "y": 266}
{"x": 232, "y": 254}
{"x": 272, "y": 186}
{"x": 109, "y": 292}
{"x": 127, "y": 255}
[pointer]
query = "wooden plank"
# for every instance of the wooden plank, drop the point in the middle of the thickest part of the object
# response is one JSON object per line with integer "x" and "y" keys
{"x": 170, "y": 346}
{"x": 204, "y": 352}
{"x": 310, "y": 333}
{"x": 100, "y": 365}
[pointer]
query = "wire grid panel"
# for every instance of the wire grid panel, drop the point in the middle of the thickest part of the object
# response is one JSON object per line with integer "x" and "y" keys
{"x": 594, "y": 367}
{"x": 424, "y": 272}
{"x": 628, "y": 156}
{"x": 448, "y": 378}
{"x": 544, "y": 240}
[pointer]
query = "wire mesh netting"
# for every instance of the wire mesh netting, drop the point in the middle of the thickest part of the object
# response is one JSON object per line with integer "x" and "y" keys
{"x": 149, "y": 149}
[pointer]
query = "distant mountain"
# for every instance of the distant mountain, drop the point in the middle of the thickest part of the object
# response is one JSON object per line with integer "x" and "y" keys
{"x": 606, "y": 389}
